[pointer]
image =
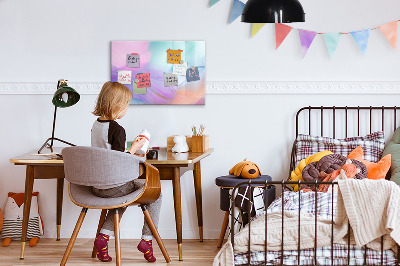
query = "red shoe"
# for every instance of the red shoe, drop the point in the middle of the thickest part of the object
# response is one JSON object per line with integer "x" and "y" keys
{"x": 101, "y": 245}
{"x": 146, "y": 247}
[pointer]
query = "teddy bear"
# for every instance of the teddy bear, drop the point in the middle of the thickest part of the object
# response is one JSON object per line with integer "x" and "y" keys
{"x": 180, "y": 144}
{"x": 13, "y": 215}
{"x": 245, "y": 169}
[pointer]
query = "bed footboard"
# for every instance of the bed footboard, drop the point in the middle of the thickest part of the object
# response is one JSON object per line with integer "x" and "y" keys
{"x": 380, "y": 258}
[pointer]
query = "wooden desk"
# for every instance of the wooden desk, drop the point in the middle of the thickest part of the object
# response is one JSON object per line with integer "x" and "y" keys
{"x": 171, "y": 167}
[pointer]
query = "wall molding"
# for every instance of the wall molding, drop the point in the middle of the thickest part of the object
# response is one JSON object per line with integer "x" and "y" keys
{"x": 232, "y": 87}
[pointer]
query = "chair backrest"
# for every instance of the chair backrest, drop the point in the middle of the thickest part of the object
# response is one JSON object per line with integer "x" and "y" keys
{"x": 92, "y": 166}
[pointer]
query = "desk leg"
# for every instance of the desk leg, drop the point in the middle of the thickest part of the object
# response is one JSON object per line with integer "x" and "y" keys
{"x": 176, "y": 182}
{"x": 27, "y": 206}
{"x": 60, "y": 190}
{"x": 197, "y": 189}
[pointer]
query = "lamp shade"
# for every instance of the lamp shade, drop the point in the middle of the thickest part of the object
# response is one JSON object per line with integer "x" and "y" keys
{"x": 273, "y": 11}
{"x": 65, "y": 96}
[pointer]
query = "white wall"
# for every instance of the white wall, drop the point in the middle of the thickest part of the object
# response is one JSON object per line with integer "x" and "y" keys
{"x": 42, "y": 41}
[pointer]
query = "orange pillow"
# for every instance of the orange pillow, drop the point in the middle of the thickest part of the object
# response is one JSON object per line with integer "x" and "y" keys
{"x": 375, "y": 170}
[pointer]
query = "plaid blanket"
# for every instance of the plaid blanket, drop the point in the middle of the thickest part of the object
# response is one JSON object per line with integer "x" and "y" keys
{"x": 324, "y": 257}
{"x": 323, "y": 205}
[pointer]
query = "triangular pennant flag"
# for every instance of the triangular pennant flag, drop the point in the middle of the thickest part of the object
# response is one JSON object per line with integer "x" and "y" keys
{"x": 237, "y": 9}
{"x": 361, "y": 37}
{"x": 389, "y": 30}
{"x": 306, "y": 39}
{"x": 256, "y": 27}
{"x": 281, "y": 31}
{"x": 332, "y": 41}
{"x": 213, "y": 2}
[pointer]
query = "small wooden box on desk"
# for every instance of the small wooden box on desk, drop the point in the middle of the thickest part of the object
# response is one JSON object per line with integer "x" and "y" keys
{"x": 195, "y": 143}
{"x": 200, "y": 143}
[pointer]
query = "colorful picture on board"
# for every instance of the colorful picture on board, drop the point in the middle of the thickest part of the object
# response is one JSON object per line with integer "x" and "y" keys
{"x": 160, "y": 72}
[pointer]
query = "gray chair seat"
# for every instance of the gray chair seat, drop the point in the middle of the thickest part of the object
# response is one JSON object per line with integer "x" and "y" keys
{"x": 83, "y": 196}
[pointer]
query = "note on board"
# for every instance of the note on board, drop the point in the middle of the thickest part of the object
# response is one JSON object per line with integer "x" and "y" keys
{"x": 144, "y": 80}
{"x": 170, "y": 80}
{"x": 124, "y": 76}
{"x": 136, "y": 90}
{"x": 192, "y": 74}
{"x": 133, "y": 60}
{"x": 180, "y": 69}
{"x": 174, "y": 56}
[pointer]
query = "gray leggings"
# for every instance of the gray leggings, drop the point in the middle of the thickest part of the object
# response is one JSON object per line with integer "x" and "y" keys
{"x": 154, "y": 208}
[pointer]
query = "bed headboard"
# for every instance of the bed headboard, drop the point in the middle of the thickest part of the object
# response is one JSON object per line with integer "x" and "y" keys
{"x": 344, "y": 121}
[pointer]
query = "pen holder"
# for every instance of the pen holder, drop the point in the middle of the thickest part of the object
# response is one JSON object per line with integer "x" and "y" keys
{"x": 200, "y": 143}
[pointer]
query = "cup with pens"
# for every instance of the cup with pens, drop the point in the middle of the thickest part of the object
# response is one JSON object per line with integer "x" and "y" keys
{"x": 199, "y": 140}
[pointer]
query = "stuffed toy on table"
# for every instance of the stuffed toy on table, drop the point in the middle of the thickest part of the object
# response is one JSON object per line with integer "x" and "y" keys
{"x": 245, "y": 169}
{"x": 13, "y": 215}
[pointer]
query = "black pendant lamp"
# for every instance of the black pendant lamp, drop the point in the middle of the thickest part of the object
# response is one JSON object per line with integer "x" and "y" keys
{"x": 273, "y": 11}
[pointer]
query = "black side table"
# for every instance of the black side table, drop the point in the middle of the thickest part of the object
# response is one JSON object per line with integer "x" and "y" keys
{"x": 226, "y": 183}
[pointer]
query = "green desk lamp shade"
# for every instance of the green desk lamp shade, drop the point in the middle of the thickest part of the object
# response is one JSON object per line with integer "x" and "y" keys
{"x": 64, "y": 96}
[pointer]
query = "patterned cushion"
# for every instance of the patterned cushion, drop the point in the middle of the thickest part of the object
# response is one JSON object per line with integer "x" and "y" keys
{"x": 372, "y": 144}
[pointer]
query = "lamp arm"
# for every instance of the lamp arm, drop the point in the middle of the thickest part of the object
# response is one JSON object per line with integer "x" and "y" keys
{"x": 54, "y": 118}
{"x": 54, "y": 126}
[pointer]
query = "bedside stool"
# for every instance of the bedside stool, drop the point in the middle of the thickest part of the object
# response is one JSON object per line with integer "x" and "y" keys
{"x": 228, "y": 182}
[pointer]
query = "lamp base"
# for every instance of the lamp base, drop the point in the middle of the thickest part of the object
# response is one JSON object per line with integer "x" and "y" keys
{"x": 50, "y": 146}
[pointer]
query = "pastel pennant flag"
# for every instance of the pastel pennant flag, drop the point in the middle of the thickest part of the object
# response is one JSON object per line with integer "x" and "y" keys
{"x": 332, "y": 41}
{"x": 389, "y": 30}
{"x": 256, "y": 27}
{"x": 306, "y": 39}
{"x": 213, "y": 2}
{"x": 361, "y": 37}
{"x": 281, "y": 31}
{"x": 237, "y": 9}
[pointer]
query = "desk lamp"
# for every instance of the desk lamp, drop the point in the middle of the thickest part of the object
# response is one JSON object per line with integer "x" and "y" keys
{"x": 64, "y": 96}
{"x": 272, "y": 11}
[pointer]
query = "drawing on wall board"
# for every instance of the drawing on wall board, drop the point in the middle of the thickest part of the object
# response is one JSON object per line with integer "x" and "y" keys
{"x": 170, "y": 80}
{"x": 124, "y": 77}
{"x": 160, "y": 72}
{"x": 133, "y": 60}
{"x": 180, "y": 69}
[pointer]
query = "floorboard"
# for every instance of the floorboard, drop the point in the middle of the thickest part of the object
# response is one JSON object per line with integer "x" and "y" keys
{"x": 50, "y": 252}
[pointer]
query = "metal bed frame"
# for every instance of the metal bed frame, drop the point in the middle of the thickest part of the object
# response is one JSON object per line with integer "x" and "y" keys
{"x": 283, "y": 184}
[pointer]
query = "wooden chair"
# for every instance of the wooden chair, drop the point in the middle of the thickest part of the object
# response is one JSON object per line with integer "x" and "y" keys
{"x": 85, "y": 167}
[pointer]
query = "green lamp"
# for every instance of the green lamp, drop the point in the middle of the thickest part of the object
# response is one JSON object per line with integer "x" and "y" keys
{"x": 64, "y": 96}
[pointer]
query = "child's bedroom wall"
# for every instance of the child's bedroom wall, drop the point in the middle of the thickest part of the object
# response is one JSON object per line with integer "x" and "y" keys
{"x": 43, "y": 41}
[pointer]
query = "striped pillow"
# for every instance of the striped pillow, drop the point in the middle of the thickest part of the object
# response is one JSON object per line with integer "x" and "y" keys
{"x": 372, "y": 145}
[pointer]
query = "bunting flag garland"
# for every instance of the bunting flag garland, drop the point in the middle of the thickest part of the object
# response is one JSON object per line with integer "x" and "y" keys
{"x": 306, "y": 39}
{"x": 237, "y": 8}
{"x": 389, "y": 30}
{"x": 256, "y": 27}
{"x": 281, "y": 31}
{"x": 332, "y": 41}
{"x": 361, "y": 37}
{"x": 213, "y": 2}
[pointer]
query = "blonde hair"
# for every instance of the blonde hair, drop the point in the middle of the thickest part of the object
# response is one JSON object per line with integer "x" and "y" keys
{"x": 112, "y": 99}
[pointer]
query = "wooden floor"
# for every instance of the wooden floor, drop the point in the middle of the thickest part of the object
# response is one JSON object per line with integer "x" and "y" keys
{"x": 50, "y": 252}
